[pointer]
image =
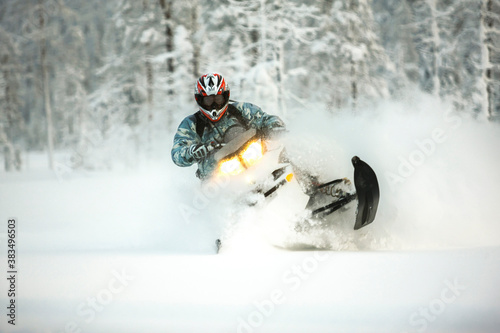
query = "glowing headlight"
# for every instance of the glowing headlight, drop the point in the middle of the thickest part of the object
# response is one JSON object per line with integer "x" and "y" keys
{"x": 232, "y": 166}
{"x": 253, "y": 153}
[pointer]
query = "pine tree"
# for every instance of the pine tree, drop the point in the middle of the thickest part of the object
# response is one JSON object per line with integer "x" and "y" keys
{"x": 226, "y": 42}
{"x": 491, "y": 57}
{"x": 45, "y": 80}
{"x": 349, "y": 63}
{"x": 11, "y": 121}
{"x": 47, "y": 28}
{"x": 194, "y": 24}
{"x": 125, "y": 101}
{"x": 448, "y": 41}
{"x": 289, "y": 31}
{"x": 394, "y": 19}
{"x": 255, "y": 43}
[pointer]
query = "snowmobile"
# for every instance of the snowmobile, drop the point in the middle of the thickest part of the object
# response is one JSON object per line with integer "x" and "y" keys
{"x": 258, "y": 166}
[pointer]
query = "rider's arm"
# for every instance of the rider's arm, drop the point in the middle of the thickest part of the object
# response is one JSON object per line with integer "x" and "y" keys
{"x": 258, "y": 118}
{"x": 184, "y": 138}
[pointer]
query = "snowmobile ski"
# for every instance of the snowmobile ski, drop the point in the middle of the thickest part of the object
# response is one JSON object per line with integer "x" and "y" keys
{"x": 330, "y": 208}
{"x": 367, "y": 192}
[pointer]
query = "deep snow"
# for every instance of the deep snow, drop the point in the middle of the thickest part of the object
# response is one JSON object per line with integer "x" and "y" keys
{"x": 133, "y": 250}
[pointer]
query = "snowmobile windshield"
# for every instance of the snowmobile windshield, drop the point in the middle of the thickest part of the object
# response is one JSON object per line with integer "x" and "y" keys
{"x": 233, "y": 132}
{"x": 235, "y": 144}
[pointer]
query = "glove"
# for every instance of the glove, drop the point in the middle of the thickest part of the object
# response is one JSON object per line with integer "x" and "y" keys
{"x": 275, "y": 129}
{"x": 198, "y": 151}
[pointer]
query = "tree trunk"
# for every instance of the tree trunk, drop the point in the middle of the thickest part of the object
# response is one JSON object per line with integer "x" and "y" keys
{"x": 427, "y": 43}
{"x": 280, "y": 60}
{"x": 150, "y": 81}
{"x": 254, "y": 38}
{"x": 437, "y": 45}
{"x": 326, "y": 6}
{"x": 46, "y": 92}
{"x": 194, "y": 30}
{"x": 12, "y": 155}
{"x": 280, "y": 73}
{"x": 166, "y": 6}
{"x": 488, "y": 27}
{"x": 263, "y": 34}
{"x": 354, "y": 86}
{"x": 7, "y": 155}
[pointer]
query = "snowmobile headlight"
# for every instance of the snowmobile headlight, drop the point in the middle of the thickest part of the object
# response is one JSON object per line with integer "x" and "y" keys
{"x": 231, "y": 166}
{"x": 252, "y": 153}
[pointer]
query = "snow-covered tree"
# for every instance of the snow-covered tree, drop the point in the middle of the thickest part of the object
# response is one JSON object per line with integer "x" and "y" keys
{"x": 428, "y": 43}
{"x": 491, "y": 56}
{"x": 289, "y": 31}
{"x": 194, "y": 38}
{"x": 224, "y": 38}
{"x": 349, "y": 61}
{"x": 11, "y": 121}
{"x": 45, "y": 28}
{"x": 257, "y": 44}
{"x": 69, "y": 87}
{"x": 448, "y": 41}
{"x": 133, "y": 38}
{"x": 461, "y": 67}
{"x": 394, "y": 19}
{"x": 82, "y": 74}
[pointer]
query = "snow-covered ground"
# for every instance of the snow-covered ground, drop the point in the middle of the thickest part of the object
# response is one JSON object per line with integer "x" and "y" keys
{"x": 133, "y": 250}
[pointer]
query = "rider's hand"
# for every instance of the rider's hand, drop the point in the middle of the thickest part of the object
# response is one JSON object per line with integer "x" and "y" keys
{"x": 198, "y": 151}
{"x": 274, "y": 130}
{"x": 278, "y": 129}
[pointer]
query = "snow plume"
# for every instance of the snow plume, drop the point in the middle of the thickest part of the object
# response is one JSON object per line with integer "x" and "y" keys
{"x": 436, "y": 168}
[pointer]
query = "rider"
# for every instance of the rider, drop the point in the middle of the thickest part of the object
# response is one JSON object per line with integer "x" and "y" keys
{"x": 199, "y": 133}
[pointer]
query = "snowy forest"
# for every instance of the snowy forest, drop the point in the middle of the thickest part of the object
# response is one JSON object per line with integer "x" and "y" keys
{"x": 100, "y": 82}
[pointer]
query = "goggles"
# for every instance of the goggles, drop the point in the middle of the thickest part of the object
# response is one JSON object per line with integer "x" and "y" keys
{"x": 214, "y": 101}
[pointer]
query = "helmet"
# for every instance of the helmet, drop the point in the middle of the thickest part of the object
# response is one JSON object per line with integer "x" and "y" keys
{"x": 212, "y": 95}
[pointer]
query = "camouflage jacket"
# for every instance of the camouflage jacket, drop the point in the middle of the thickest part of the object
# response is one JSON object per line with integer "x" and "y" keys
{"x": 214, "y": 132}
